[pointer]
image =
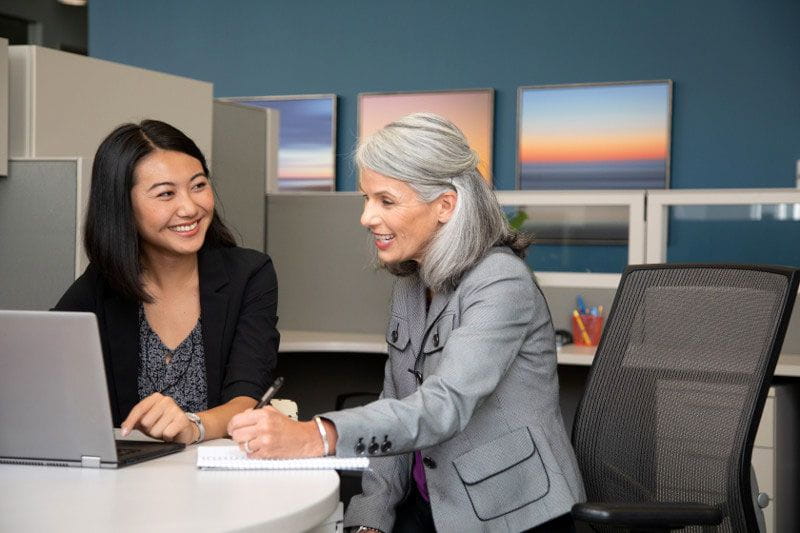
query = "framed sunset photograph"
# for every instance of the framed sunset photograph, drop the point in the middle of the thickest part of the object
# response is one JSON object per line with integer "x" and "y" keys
{"x": 472, "y": 110}
{"x": 594, "y": 136}
{"x": 306, "y": 139}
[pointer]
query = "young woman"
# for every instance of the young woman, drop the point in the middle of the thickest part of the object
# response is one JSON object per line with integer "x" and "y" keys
{"x": 468, "y": 435}
{"x": 187, "y": 319}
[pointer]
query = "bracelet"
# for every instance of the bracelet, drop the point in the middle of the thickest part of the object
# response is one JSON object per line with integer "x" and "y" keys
{"x": 326, "y": 447}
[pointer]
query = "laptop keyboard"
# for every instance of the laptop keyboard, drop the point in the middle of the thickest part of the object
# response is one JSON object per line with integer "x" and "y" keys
{"x": 126, "y": 451}
{"x": 131, "y": 452}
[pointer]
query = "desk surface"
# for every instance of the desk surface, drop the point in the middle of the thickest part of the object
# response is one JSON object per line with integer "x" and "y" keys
{"x": 166, "y": 494}
{"x": 295, "y": 341}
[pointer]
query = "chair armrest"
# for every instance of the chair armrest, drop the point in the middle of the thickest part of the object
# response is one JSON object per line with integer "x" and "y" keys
{"x": 648, "y": 515}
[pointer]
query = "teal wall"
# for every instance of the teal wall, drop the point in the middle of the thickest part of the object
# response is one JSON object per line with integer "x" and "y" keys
{"x": 735, "y": 63}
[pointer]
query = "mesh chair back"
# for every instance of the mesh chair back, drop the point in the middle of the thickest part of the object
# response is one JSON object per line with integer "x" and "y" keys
{"x": 678, "y": 384}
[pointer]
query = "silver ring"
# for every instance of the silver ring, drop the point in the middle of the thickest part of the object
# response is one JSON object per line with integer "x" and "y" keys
{"x": 247, "y": 447}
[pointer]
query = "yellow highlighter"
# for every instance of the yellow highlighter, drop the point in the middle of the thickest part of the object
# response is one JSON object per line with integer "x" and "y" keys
{"x": 584, "y": 333}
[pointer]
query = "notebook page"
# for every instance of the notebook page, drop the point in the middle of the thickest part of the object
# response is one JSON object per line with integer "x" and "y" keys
{"x": 232, "y": 458}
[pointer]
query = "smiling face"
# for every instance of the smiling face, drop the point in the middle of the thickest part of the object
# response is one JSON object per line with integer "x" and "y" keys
{"x": 401, "y": 223}
{"x": 172, "y": 203}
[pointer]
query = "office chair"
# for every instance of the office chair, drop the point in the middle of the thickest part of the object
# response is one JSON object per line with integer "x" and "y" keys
{"x": 664, "y": 431}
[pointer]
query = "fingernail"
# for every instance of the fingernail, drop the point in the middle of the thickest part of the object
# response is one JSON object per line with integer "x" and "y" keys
{"x": 125, "y": 431}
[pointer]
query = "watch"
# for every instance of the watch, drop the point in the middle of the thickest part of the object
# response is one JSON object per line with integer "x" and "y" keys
{"x": 200, "y": 427}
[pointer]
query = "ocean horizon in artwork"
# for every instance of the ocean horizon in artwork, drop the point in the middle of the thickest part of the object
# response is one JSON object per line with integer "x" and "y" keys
{"x": 607, "y": 136}
{"x": 306, "y": 142}
{"x": 299, "y": 183}
{"x": 630, "y": 174}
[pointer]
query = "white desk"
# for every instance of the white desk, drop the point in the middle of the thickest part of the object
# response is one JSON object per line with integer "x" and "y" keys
{"x": 166, "y": 494}
{"x": 296, "y": 341}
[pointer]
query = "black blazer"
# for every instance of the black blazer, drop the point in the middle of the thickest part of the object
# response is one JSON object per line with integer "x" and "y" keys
{"x": 238, "y": 306}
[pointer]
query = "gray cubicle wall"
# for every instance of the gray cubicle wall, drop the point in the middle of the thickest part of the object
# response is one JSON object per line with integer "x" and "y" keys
{"x": 3, "y": 107}
{"x": 323, "y": 256}
{"x": 38, "y": 204}
{"x": 245, "y": 157}
{"x": 63, "y": 105}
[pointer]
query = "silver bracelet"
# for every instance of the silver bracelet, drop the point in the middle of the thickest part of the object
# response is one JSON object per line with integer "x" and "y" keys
{"x": 326, "y": 447}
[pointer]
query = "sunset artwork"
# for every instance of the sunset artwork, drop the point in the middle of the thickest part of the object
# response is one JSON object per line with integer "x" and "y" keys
{"x": 598, "y": 136}
{"x": 306, "y": 140}
{"x": 471, "y": 110}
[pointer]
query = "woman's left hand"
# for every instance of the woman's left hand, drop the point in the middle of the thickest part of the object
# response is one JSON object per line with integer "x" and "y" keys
{"x": 265, "y": 432}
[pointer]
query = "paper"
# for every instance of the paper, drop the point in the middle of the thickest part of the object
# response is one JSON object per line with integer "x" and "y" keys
{"x": 232, "y": 458}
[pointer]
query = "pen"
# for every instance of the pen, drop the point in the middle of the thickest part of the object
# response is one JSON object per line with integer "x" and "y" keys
{"x": 581, "y": 306}
{"x": 584, "y": 333}
{"x": 270, "y": 393}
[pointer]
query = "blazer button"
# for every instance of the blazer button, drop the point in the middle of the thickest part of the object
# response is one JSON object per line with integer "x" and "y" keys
{"x": 360, "y": 447}
{"x": 373, "y": 447}
{"x": 387, "y": 444}
{"x": 430, "y": 463}
{"x": 394, "y": 336}
{"x": 436, "y": 340}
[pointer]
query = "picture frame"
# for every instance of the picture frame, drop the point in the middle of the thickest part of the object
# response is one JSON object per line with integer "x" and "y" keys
{"x": 472, "y": 110}
{"x": 610, "y": 135}
{"x": 307, "y": 139}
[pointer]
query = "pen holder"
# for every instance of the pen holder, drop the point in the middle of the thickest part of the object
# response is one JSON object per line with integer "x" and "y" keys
{"x": 592, "y": 325}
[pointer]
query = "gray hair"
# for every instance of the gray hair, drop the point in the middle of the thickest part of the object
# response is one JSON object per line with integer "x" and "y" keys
{"x": 431, "y": 155}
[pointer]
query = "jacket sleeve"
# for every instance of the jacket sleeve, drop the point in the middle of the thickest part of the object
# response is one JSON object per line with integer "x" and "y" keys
{"x": 254, "y": 351}
{"x": 384, "y": 484}
{"x": 497, "y": 311}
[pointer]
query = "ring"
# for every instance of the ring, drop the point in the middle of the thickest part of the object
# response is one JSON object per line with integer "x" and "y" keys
{"x": 247, "y": 447}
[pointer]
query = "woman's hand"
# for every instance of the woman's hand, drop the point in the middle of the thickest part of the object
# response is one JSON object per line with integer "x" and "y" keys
{"x": 266, "y": 433}
{"x": 158, "y": 416}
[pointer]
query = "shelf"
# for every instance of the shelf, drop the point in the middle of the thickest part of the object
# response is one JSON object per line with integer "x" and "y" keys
{"x": 306, "y": 341}
{"x": 293, "y": 341}
{"x": 578, "y": 280}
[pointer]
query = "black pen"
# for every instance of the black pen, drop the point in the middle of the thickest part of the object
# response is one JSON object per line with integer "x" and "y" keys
{"x": 270, "y": 393}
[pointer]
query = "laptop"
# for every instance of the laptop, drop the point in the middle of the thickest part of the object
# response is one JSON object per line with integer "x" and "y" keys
{"x": 54, "y": 407}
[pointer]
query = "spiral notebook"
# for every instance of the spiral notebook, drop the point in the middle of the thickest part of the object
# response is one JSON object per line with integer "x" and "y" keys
{"x": 232, "y": 458}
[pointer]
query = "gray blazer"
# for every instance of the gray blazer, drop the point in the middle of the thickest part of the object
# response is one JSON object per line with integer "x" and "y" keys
{"x": 486, "y": 417}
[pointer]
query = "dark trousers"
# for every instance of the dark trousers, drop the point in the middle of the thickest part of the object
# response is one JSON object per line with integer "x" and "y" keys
{"x": 414, "y": 515}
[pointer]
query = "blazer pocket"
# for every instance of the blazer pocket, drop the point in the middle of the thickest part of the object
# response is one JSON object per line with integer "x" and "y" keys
{"x": 440, "y": 331}
{"x": 503, "y": 475}
{"x": 397, "y": 334}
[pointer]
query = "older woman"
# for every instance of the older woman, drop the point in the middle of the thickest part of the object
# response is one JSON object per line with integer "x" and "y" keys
{"x": 187, "y": 319}
{"x": 468, "y": 434}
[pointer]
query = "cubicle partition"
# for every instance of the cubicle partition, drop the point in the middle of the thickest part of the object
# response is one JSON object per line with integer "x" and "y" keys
{"x": 244, "y": 156}
{"x": 63, "y": 105}
{"x": 38, "y": 219}
{"x": 328, "y": 280}
{"x": 3, "y": 107}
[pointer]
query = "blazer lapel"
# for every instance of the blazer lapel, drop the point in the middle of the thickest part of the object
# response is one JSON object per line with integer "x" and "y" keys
{"x": 438, "y": 303}
{"x": 213, "y": 313}
{"x": 414, "y": 309}
{"x": 122, "y": 326}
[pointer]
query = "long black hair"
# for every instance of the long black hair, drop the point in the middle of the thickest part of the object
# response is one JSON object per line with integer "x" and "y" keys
{"x": 110, "y": 236}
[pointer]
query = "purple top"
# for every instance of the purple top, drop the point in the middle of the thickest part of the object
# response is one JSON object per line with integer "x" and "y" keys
{"x": 418, "y": 472}
{"x": 417, "y": 469}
